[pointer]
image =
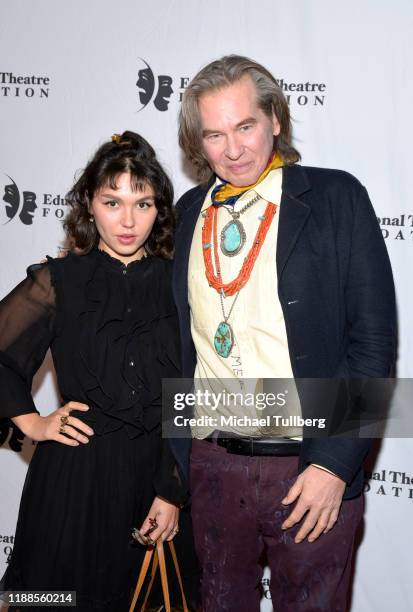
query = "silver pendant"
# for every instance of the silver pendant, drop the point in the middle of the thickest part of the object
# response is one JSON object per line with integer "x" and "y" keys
{"x": 232, "y": 237}
{"x": 224, "y": 339}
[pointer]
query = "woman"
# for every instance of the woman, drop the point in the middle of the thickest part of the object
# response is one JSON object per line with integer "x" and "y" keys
{"x": 106, "y": 311}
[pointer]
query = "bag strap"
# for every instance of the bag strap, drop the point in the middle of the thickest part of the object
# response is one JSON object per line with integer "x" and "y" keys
{"x": 142, "y": 576}
{"x": 178, "y": 573}
{"x": 158, "y": 558}
{"x": 155, "y": 563}
{"x": 164, "y": 577}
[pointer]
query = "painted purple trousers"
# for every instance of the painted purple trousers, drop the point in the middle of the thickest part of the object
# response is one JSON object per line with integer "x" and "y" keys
{"x": 237, "y": 516}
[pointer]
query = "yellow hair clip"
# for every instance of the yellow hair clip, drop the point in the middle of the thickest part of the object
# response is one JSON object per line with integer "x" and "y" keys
{"x": 116, "y": 138}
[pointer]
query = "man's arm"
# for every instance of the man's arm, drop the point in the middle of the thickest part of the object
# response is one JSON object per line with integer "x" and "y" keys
{"x": 371, "y": 331}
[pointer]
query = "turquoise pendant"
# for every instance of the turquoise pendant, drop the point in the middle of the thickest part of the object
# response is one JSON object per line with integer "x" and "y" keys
{"x": 223, "y": 339}
{"x": 232, "y": 238}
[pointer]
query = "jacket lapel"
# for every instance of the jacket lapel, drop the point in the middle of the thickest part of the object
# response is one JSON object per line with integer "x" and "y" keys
{"x": 293, "y": 216}
{"x": 293, "y": 213}
{"x": 183, "y": 240}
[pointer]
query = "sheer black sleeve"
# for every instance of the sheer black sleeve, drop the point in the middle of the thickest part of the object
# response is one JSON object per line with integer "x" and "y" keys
{"x": 168, "y": 483}
{"x": 27, "y": 318}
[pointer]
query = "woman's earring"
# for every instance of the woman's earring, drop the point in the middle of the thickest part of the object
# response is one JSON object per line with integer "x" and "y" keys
{"x": 91, "y": 219}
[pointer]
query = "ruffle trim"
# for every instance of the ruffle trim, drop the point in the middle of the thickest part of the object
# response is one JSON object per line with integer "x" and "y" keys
{"x": 149, "y": 335}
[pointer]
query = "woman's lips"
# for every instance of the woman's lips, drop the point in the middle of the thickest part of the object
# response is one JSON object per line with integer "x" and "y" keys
{"x": 126, "y": 238}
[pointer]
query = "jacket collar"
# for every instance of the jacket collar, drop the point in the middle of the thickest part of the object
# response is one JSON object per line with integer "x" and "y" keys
{"x": 293, "y": 215}
{"x": 294, "y": 212}
{"x": 295, "y": 182}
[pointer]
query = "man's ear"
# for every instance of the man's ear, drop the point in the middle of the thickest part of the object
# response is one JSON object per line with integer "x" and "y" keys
{"x": 276, "y": 127}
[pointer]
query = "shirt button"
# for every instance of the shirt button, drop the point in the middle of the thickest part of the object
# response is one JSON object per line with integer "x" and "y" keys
{"x": 132, "y": 363}
{"x": 133, "y": 392}
{"x": 123, "y": 272}
{"x": 129, "y": 309}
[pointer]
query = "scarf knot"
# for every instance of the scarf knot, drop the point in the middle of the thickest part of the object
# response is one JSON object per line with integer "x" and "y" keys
{"x": 227, "y": 194}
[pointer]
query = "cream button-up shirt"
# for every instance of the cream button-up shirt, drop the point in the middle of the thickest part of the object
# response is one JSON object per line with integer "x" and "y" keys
{"x": 260, "y": 349}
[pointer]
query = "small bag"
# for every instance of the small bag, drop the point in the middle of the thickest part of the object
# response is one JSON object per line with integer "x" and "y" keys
{"x": 158, "y": 559}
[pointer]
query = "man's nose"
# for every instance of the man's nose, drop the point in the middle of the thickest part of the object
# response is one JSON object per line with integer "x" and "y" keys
{"x": 234, "y": 147}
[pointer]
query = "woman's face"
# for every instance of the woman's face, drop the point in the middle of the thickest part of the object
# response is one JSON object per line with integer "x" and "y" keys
{"x": 124, "y": 218}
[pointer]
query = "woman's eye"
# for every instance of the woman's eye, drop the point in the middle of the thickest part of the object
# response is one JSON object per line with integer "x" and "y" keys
{"x": 144, "y": 204}
{"x": 111, "y": 204}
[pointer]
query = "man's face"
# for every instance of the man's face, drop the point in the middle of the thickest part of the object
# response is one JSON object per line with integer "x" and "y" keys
{"x": 237, "y": 136}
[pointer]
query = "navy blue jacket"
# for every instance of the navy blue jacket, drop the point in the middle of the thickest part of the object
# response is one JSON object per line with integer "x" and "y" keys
{"x": 336, "y": 290}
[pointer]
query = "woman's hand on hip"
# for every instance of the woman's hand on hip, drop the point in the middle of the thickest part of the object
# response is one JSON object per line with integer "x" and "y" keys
{"x": 58, "y": 425}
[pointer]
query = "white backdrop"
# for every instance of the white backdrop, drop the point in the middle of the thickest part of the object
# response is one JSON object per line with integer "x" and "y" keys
{"x": 68, "y": 81}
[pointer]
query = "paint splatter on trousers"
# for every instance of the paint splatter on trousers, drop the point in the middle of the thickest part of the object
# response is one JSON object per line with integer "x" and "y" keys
{"x": 237, "y": 515}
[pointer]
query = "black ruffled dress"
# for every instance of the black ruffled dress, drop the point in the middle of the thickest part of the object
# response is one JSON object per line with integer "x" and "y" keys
{"x": 113, "y": 335}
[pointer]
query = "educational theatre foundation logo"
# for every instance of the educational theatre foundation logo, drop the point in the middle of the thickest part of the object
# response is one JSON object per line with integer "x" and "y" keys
{"x": 6, "y": 543}
{"x": 20, "y": 204}
{"x": 397, "y": 227}
{"x": 389, "y": 483}
{"x": 303, "y": 93}
{"x": 25, "y": 205}
{"x": 157, "y": 89}
{"x": 14, "y": 85}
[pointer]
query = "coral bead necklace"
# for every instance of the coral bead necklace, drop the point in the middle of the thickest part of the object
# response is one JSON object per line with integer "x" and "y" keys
{"x": 224, "y": 335}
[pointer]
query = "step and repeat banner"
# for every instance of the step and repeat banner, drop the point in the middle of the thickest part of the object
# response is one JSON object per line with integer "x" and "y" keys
{"x": 73, "y": 73}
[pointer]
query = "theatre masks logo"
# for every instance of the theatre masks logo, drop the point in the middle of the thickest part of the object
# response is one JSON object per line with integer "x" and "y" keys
{"x": 150, "y": 88}
{"x": 24, "y": 206}
{"x": 16, "y": 203}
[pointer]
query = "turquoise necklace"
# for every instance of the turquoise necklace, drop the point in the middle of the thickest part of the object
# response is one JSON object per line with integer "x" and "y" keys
{"x": 224, "y": 336}
{"x": 233, "y": 234}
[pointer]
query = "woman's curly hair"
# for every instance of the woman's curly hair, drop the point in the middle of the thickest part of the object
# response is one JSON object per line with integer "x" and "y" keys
{"x": 129, "y": 153}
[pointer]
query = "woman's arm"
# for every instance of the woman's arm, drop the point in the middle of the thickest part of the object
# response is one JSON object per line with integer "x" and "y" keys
{"x": 27, "y": 329}
{"x": 171, "y": 494}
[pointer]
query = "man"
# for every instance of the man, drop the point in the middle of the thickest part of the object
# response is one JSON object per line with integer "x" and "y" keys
{"x": 280, "y": 272}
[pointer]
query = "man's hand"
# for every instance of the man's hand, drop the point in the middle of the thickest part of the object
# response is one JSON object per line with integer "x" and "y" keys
{"x": 319, "y": 493}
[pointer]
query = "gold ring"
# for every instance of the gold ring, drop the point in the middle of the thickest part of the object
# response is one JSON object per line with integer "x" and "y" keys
{"x": 62, "y": 430}
{"x": 64, "y": 420}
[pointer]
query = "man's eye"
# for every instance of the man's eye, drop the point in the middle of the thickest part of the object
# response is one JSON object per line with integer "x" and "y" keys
{"x": 245, "y": 128}
{"x": 213, "y": 136}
